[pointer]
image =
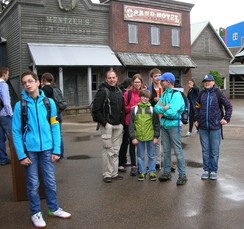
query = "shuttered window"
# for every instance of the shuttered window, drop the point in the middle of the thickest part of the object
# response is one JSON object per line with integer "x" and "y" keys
{"x": 155, "y": 35}
{"x": 132, "y": 33}
{"x": 175, "y": 37}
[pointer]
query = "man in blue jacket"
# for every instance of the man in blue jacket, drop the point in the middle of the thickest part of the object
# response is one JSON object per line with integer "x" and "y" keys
{"x": 209, "y": 119}
{"x": 38, "y": 145}
{"x": 170, "y": 106}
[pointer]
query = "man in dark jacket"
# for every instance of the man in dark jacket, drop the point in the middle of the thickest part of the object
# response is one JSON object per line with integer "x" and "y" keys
{"x": 109, "y": 112}
{"x": 209, "y": 119}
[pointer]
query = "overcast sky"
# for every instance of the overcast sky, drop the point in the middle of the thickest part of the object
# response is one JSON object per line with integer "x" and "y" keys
{"x": 220, "y": 13}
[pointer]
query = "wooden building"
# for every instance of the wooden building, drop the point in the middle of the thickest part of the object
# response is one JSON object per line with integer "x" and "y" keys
{"x": 210, "y": 53}
{"x": 78, "y": 41}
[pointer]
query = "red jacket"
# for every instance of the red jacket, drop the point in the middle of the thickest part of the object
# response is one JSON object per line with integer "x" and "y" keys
{"x": 135, "y": 99}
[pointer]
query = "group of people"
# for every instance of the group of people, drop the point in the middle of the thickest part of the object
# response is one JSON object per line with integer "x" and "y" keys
{"x": 150, "y": 119}
{"x": 37, "y": 143}
{"x": 129, "y": 115}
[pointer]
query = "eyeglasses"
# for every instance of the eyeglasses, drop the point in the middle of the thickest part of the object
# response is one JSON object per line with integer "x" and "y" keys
{"x": 28, "y": 81}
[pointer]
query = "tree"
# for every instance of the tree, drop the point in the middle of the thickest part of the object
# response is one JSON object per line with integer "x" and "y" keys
{"x": 217, "y": 77}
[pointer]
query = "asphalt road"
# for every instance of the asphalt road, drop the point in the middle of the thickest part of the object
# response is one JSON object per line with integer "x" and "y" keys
{"x": 129, "y": 203}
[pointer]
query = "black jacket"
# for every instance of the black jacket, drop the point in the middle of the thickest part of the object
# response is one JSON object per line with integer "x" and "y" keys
{"x": 113, "y": 111}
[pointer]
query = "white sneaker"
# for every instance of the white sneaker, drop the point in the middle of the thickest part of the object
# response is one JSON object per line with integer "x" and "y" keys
{"x": 60, "y": 213}
{"x": 188, "y": 134}
{"x": 38, "y": 221}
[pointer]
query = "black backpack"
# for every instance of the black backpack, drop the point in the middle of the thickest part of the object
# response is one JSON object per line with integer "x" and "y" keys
{"x": 106, "y": 101}
{"x": 59, "y": 100}
{"x": 1, "y": 105}
{"x": 185, "y": 114}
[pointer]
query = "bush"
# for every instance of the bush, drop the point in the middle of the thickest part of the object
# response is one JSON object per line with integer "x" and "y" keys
{"x": 217, "y": 77}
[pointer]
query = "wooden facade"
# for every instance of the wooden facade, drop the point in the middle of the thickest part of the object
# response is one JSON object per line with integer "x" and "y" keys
{"x": 85, "y": 23}
{"x": 210, "y": 54}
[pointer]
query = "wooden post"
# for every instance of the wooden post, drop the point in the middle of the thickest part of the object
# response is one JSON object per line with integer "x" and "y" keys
{"x": 19, "y": 178}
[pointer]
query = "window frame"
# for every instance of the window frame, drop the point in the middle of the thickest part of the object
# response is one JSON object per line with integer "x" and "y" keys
{"x": 175, "y": 37}
{"x": 132, "y": 34}
{"x": 155, "y": 35}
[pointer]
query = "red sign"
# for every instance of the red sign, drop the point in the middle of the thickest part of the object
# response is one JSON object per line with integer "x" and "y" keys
{"x": 142, "y": 14}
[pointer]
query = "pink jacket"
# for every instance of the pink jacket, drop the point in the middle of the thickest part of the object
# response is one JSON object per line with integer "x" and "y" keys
{"x": 135, "y": 99}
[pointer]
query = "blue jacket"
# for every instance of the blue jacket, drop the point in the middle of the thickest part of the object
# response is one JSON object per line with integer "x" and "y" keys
{"x": 40, "y": 134}
{"x": 176, "y": 108}
{"x": 208, "y": 113}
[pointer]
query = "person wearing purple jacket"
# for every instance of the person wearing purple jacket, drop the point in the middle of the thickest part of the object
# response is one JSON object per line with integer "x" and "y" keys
{"x": 209, "y": 119}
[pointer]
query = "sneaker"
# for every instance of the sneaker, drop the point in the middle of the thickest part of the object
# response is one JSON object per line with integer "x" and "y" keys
{"x": 133, "y": 171}
{"x": 213, "y": 176}
{"x": 38, "y": 221}
{"x": 107, "y": 179}
{"x": 121, "y": 169}
{"x": 181, "y": 180}
{"x": 157, "y": 167}
{"x": 141, "y": 177}
{"x": 205, "y": 175}
{"x": 118, "y": 177}
{"x": 188, "y": 134}
{"x": 165, "y": 177}
{"x": 153, "y": 176}
{"x": 60, "y": 213}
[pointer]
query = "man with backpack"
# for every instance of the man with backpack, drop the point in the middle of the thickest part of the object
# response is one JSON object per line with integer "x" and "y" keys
{"x": 49, "y": 87}
{"x": 108, "y": 110}
{"x": 170, "y": 106}
{"x": 209, "y": 119}
{"x": 38, "y": 145}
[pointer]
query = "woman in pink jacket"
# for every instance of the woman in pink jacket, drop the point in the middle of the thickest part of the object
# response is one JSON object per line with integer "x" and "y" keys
{"x": 131, "y": 99}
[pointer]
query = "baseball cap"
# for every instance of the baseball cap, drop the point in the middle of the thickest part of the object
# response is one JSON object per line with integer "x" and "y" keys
{"x": 208, "y": 77}
{"x": 167, "y": 76}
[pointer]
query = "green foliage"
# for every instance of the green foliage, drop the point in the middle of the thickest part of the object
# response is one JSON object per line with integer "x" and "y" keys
{"x": 217, "y": 77}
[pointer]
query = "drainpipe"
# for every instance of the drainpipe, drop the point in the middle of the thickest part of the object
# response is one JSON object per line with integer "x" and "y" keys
{"x": 61, "y": 79}
{"x": 89, "y": 84}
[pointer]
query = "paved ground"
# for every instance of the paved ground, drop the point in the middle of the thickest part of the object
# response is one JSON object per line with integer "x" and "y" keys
{"x": 132, "y": 204}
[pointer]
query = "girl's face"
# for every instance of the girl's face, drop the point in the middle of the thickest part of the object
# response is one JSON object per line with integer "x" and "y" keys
{"x": 137, "y": 84}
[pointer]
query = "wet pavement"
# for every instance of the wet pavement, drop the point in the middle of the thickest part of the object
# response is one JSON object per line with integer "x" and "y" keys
{"x": 132, "y": 204}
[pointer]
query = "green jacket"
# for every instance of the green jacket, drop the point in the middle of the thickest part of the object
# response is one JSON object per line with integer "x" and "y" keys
{"x": 176, "y": 107}
{"x": 144, "y": 123}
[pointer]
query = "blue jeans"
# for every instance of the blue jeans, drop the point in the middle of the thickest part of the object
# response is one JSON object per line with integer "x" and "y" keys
{"x": 172, "y": 138}
{"x": 210, "y": 142}
{"x": 47, "y": 167}
{"x": 5, "y": 128}
{"x": 151, "y": 153}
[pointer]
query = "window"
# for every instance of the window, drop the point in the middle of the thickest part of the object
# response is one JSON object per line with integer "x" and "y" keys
{"x": 224, "y": 83}
{"x": 207, "y": 44}
{"x": 235, "y": 36}
{"x": 94, "y": 82}
{"x": 175, "y": 37}
{"x": 132, "y": 32}
{"x": 155, "y": 35}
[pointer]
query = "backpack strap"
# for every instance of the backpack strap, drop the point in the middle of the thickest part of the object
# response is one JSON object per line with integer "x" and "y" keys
{"x": 48, "y": 108}
{"x": 23, "y": 115}
{"x": 129, "y": 96}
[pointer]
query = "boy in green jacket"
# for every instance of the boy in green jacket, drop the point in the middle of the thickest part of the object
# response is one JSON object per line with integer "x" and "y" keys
{"x": 144, "y": 130}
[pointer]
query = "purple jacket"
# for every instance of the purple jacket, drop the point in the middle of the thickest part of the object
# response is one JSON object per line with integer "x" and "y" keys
{"x": 208, "y": 113}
